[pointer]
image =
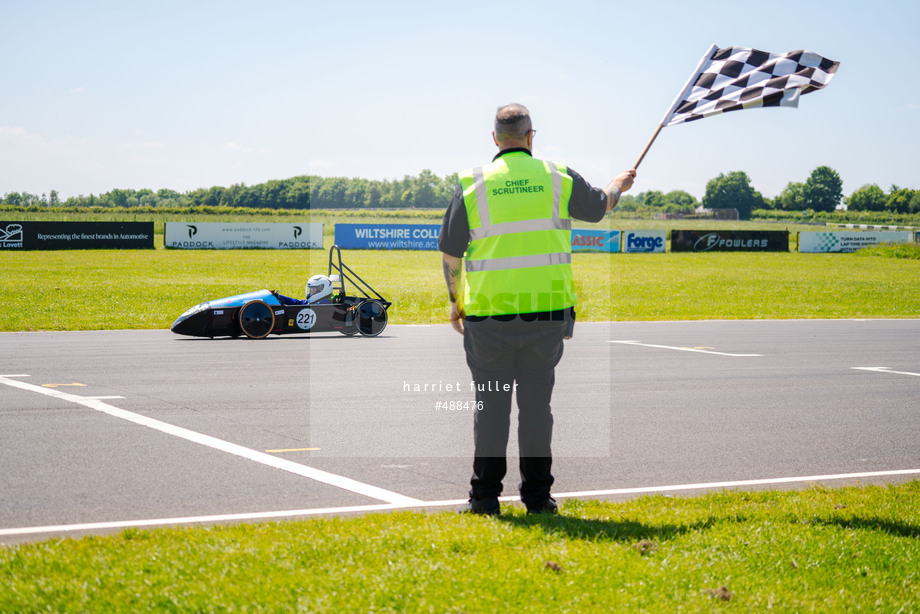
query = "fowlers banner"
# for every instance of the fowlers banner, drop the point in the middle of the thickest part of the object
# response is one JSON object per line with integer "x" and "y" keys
{"x": 729, "y": 241}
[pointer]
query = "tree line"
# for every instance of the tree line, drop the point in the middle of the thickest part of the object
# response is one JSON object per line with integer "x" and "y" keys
{"x": 822, "y": 191}
{"x": 426, "y": 190}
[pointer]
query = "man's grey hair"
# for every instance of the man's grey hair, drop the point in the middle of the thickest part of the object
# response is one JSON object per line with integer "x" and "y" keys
{"x": 512, "y": 122}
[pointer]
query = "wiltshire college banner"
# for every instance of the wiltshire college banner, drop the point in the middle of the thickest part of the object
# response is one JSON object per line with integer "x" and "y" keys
{"x": 425, "y": 237}
{"x": 729, "y": 241}
{"x": 76, "y": 235}
{"x": 825, "y": 242}
{"x": 387, "y": 236}
{"x": 216, "y": 235}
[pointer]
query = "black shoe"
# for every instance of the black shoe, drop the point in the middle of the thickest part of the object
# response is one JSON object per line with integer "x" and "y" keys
{"x": 484, "y": 507}
{"x": 547, "y": 507}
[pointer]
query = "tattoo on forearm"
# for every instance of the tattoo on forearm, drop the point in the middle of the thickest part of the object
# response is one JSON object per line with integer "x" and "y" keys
{"x": 452, "y": 277}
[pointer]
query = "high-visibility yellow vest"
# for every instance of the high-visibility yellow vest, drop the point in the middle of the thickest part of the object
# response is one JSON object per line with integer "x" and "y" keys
{"x": 519, "y": 259}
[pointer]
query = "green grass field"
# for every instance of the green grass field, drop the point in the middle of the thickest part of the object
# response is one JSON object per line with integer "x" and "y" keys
{"x": 90, "y": 290}
{"x": 823, "y": 550}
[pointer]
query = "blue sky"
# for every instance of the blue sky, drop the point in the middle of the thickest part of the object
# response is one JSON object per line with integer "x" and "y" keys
{"x": 99, "y": 95}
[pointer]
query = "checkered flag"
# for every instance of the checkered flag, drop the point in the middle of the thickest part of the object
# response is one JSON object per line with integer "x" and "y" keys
{"x": 739, "y": 78}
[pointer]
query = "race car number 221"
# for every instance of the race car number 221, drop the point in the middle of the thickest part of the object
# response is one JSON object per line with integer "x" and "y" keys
{"x": 306, "y": 318}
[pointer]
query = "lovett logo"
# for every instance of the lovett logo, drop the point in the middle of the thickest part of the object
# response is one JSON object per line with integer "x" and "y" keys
{"x": 11, "y": 236}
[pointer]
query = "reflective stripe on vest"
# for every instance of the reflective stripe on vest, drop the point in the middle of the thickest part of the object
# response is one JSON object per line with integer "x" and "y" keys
{"x": 517, "y": 262}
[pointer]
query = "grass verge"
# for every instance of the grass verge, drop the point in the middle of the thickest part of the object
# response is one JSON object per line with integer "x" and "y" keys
{"x": 847, "y": 549}
{"x": 136, "y": 289}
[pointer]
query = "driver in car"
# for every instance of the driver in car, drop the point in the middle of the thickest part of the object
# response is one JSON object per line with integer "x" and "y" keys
{"x": 318, "y": 292}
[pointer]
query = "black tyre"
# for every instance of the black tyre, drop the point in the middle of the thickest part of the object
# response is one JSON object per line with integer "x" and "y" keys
{"x": 257, "y": 319}
{"x": 372, "y": 318}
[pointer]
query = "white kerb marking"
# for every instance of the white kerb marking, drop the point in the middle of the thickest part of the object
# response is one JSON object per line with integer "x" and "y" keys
{"x": 218, "y": 444}
{"x": 672, "y": 347}
{"x": 885, "y": 370}
{"x": 124, "y": 524}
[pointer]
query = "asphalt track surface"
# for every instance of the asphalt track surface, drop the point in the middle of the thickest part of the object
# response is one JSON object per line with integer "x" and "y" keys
{"x": 105, "y": 430}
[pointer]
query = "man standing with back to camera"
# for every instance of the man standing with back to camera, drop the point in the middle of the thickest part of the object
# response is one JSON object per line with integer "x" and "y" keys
{"x": 509, "y": 224}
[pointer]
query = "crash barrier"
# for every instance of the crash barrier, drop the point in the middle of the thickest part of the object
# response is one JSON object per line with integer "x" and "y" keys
{"x": 216, "y": 235}
{"x": 75, "y": 235}
{"x": 645, "y": 241}
{"x": 836, "y": 242}
{"x": 729, "y": 241}
{"x": 387, "y": 236}
{"x": 595, "y": 240}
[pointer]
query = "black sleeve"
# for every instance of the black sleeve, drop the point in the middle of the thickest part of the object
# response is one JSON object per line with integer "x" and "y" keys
{"x": 588, "y": 203}
{"x": 455, "y": 229}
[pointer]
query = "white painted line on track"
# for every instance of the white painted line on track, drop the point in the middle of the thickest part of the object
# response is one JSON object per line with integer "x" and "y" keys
{"x": 383, "y": 507}
{"x": 159, "y": 522}
{"x": 885, "y": 370}
{"x": 318, "y": 475}
{"x": 672, "y": 347}
{"x": 739, "y": 483}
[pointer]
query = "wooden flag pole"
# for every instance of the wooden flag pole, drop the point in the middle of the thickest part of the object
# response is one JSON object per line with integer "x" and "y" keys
{"x": 648, "y": 146}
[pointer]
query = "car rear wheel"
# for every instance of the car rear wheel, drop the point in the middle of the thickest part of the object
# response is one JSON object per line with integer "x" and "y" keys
{"x": 257, "y": 319}
{"x": 372, "y": 318}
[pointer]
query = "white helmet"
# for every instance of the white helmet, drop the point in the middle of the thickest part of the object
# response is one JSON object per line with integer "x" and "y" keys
{"x": 318, "y": 287}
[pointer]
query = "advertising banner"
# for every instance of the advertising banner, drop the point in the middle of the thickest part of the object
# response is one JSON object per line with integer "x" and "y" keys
{"x": 217, "y": 235}
{"x": 837, "y": 242}
{"x": 595, "y": 240}
{"x": 645, "y": 241}
{"x": 387, "y": 236}
{"x": 729, "y": 241}
{"x": 75, "y": 235}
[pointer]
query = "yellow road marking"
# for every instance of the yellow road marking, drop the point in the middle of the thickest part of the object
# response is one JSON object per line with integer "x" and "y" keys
{"x": 293, "y": 450}
{"x": 59, "y": 385}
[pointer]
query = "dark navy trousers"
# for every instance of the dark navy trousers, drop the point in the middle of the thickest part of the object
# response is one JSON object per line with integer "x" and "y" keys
{"x": 513, "y": 357}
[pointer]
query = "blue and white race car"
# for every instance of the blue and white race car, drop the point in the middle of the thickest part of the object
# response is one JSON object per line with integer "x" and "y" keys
{"x": 265, "y": 312}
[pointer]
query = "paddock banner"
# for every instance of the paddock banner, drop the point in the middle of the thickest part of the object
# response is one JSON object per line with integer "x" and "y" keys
{"x": 645, "y": 241}
{"x": 218, "y": 235}
{"x": 729, "y": 241}
{"x": 75, "y": 235}
{"x": 837, "y": 242}
{"x": 387, "y": 236}
{"x": 595, "y": 240}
